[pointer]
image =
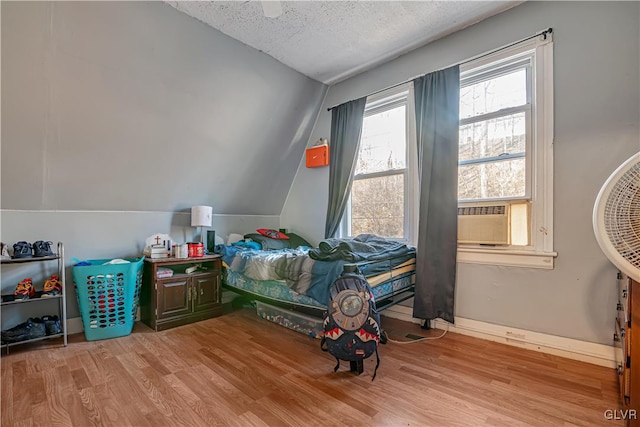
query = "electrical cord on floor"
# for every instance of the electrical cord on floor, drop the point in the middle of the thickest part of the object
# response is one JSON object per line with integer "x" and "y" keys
{"x": 415, "y": 341}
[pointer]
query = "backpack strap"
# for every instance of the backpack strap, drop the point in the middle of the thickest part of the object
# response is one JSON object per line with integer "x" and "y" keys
{"x": 375, "y": 371}
{"x": 323, "y": 347}
{"x": 323, "y": 344}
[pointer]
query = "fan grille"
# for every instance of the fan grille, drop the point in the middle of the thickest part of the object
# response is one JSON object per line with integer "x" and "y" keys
{"x": 622, "y": 216}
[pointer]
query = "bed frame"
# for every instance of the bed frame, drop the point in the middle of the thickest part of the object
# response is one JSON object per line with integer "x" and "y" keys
{"x": 382, "y": 303}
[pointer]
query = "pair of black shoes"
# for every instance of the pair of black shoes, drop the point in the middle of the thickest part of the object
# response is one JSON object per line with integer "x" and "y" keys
{"x": 39, "y": 248}
{"x": 34, "y": 327}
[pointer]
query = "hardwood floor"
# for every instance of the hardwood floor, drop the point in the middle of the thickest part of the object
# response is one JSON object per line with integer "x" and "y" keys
{"x": 240, "y": 370}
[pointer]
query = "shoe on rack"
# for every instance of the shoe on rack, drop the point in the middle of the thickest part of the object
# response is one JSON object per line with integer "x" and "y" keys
{"x": 52, "y": 287}
{"x": 25, "y": 290}
{"x": 42, "y": 248}
{"x": 4, "y": 252}
{"x": 22, "y": 250}
{"x": 52, "y": 325}
{"x": 32, "y": 328}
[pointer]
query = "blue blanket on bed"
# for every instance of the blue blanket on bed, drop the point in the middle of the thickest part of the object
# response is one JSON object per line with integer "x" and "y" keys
{"x": 311, "y": 271}
{"x": 294, "y": 267}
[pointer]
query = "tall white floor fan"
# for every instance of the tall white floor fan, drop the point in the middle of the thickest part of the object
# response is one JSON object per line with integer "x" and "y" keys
{"x": 616, "y": 217}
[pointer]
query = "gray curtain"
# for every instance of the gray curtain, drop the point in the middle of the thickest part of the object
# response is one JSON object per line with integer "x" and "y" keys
{"x": 437, "y": 97}
{"x": 346, "y": 127}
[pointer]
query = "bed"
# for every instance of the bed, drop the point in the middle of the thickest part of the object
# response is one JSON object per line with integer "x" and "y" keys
{"x": 292, "y": 275}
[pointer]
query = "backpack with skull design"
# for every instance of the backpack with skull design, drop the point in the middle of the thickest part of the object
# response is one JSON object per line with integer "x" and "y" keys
{"x": 351, "y": 322}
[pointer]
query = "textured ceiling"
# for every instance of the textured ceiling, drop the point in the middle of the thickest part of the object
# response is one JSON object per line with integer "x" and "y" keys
{"x": 330, "y": 41}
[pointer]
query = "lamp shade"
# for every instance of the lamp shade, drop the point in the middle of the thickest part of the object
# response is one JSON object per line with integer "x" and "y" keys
{"x": 201, "y": 216}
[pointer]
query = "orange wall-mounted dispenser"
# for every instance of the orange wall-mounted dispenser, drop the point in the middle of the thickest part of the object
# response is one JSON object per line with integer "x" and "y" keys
{"x": 318, "y": 156}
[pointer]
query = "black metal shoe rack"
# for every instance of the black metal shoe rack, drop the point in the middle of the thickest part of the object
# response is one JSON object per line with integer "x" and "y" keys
{"x": 62, "y": 299}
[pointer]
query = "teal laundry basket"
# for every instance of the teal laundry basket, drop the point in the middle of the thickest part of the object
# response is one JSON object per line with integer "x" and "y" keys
{"x": 108, "y": 296}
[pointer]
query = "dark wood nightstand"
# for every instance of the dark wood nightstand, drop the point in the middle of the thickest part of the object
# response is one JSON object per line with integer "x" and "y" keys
{"x": 184, "y": 297}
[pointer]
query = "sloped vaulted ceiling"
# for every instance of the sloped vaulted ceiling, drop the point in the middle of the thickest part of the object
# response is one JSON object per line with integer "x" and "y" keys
{"x": 333, "y": 40}
{"x": 135, "y": 106}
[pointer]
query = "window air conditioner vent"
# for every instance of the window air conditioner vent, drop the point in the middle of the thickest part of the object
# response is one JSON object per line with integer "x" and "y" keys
{"x": 484, "y": 224}
{"x": 482, "y": 210}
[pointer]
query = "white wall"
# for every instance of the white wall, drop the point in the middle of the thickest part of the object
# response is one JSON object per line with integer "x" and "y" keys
{"x": 117, "y": 117}
{"x": 98, "y": 235}
{"x": 597, "y": 126}
{"x": 137, "y": 106}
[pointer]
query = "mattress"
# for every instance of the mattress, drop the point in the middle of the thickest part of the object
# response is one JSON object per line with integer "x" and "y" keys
{"x": 300, "y": 272}
{"x": 383, "y": 285}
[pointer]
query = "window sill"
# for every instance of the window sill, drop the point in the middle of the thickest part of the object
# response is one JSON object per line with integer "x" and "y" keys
{"x": 507, "y": 257}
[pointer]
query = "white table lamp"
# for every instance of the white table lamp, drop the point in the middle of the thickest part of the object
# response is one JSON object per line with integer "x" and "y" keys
{"x": 201, "y": 216}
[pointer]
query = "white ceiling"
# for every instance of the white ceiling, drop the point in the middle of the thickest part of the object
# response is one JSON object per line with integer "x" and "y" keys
{"x": 330, "y": 41}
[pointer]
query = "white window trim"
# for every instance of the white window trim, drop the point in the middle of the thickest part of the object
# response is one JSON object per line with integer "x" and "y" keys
{"x": 507, "y": 257}
{"x": 540, "y": 253}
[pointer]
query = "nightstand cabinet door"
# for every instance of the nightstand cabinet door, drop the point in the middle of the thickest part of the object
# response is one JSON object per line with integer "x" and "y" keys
{"x": 207, "y": 292}
{"x": 174, "y": 298}
{"x": 183, "y": 298}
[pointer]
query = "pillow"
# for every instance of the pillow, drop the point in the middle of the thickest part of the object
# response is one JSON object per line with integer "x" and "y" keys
{"x": 274, "y": 234}
{"x": 233, "y": 237}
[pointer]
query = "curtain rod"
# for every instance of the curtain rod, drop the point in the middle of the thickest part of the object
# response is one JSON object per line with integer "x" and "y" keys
{"x": 542, "y": 33}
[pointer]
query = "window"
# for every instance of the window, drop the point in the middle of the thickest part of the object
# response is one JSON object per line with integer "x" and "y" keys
{"x": 383, "y": 187}
{"x": 505, "y": 157}
{"x": 505, "y": 174}
{"x": 495, "y": 108}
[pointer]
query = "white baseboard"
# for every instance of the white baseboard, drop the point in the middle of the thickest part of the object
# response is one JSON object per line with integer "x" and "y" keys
{"x": 598, "y": 354}
{"x": 74, "y": 325}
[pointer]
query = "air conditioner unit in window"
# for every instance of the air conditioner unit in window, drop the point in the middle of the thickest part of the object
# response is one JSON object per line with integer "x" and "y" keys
{"x": 484, "y": 223}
